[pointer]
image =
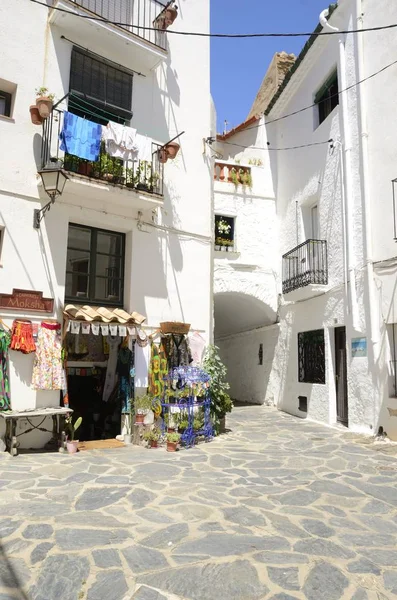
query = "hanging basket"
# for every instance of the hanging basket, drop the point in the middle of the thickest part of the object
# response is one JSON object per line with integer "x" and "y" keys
{"x": 171, "y": 14}
{"x": 174, "y": 327}
{"x": 172, "y": 149}
{"x": 35, "y": 115}
{"x": 163, "y": 155}
{"x": 44, "y": 104}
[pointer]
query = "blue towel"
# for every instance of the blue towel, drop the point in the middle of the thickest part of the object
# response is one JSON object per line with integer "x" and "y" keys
{"x": 80, "y": 137}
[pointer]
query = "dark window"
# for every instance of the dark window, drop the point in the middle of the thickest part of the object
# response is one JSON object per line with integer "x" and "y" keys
{"x": 327, "y": 98}
{"x": 99, "y": 89}
{"x": 311, "y": 356}
{"x": 260, "y": 354}
{"x": 5, "y": 104}
{"x": 95, "y": 266}
{"x": 224, "y": 233}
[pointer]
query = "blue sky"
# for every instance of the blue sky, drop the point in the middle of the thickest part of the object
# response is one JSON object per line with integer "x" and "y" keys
{"x": 238, "y": 65}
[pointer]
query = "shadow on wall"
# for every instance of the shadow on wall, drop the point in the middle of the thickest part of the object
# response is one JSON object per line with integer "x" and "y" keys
{"x": 12, "y": 578}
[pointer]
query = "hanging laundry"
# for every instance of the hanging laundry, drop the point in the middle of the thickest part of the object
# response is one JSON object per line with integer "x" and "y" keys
{"x": 110, "y": 380}
{"x": 177, "y": 350}
{"x": 48, "y": 372}
{"x": 144, "y": 145}
{"x": 22, "y": 337}
{"x": 142, "y": 357}
{"x": 120, "y": 141}
{"x": 197, "y": 345}
{"x": 80, "y": 137}
{"x": 126, "y": 373}
{"x": 158, "y": 370}
{"x": 5, "y": 341}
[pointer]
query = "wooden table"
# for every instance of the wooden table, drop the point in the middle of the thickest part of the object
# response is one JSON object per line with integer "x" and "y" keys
{"x": 58, "y": 415}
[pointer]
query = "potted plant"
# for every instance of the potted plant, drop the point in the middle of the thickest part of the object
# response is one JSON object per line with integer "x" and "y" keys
{"x": 245, "y": 178}
{"x": 35, "y": 116}
{"x": 152, "y": 437}
{"x": 44, "y": 102}
{"x": 163, "y": 155}
{"x": 221, "y": 403}
{"x": 172, "y": 441}
{"x": 171, "y": 14}
{"x": 142, "y": 406}
{"x": 130, "y": 178}
{"x": 172, "y": 149}
{"x": 71, "y": 429}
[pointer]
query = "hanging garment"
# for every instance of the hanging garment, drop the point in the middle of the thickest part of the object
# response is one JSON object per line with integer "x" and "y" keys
{"x": 197, "y": 345}
{"x": 120, "y": 141}
{"x": 80, "y": 137}
{"x": 126, "y": 373}
{"x": 22, "y": 337}
{"x": 142, "y": 357}
{"x": 110, "y": 380}
{"x": 158, "y": 370}
{"x": 178, "y": 351}
{"x": 5, "y": 341}
{"x": 48, "y": 372}
{"x": 144, "y": 145}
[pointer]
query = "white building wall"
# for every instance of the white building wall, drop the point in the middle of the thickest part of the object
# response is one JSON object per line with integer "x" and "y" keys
{"x": 167, "y": 275}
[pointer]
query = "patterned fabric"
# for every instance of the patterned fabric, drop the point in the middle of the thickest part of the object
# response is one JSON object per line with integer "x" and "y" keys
{"x": 48, "y": 372}
{"x": 80, "y": 137}
{"x": 126, "y": 373}
{"x": 158, "y": 370}
{"x": 5, "y": 341}
{"x": 178, "y": 351}
{"x": 22, "y": 337}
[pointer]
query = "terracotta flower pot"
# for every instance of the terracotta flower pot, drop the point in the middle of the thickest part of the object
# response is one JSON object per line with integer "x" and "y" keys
{"x": 171, "y": 446}
{"x": 163, "y": 155}
{"x": 170, "y": 429}
{"x": 35, "y": 115}
{"x": 72, "y": 446}
{"x": 85, "y": 169}
{"x": 139, "y": 418}
{"x": 153, "y": 443}
{"x": 171, "y": 14}
{"x": 172, "y": 149}
{"x": 44, "y": 104}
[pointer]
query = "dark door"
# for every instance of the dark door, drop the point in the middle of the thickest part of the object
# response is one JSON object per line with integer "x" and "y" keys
{"x": 341, "y": 376}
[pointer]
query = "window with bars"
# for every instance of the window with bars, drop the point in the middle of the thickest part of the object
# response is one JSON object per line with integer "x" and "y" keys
{"x": 95, "y": 266}
{"x": 311, "y": 356}
{"x": 99, "y": 87}
{"x": 327, "y": 98}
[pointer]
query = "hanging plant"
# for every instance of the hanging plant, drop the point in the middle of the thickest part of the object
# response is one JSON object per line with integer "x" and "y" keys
{"x": 44, "y": 102}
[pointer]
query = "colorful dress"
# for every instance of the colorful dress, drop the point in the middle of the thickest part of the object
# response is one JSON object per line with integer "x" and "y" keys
{"x": 5, "y": 340}
{"x": 22, "y": 337}
{"x": 48, "y": 372}
{"x": 126, "y": 373}
{"x": 158, "y": 370}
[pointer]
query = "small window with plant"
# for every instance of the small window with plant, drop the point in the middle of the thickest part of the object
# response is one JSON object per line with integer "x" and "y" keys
{"x": 224, "y": 233}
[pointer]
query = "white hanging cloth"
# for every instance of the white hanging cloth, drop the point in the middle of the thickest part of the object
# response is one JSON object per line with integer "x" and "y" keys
{"x": 142, "y": 358}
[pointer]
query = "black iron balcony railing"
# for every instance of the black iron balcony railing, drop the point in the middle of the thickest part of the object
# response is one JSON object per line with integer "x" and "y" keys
{"x": 138, "y": 175}
{"x": 136, "y": 16}
{"x": 304, "y": 265}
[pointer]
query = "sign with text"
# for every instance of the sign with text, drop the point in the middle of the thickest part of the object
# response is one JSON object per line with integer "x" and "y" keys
{"x": 359, "y": 347}
{"x": 26, "y": 300}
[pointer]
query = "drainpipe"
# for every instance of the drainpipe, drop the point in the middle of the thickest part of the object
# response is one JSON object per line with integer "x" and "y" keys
{"x": 368, "y": 255}
{"x": 347, "y": 170}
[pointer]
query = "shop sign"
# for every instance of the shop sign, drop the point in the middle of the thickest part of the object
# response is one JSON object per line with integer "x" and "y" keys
{"x": 26, "y": 300}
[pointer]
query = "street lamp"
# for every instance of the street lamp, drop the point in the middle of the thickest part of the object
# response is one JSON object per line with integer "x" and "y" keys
{"x": 54, "y": 180}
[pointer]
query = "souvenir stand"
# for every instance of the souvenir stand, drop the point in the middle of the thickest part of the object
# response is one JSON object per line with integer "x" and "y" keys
{"x": 187, "y": 394}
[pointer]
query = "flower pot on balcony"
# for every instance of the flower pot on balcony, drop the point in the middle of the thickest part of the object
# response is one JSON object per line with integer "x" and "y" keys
{"x": 143, "y": 187}
{"x": 35, "y": 116}
{"x": 163, "y": 155}
{"x": 171, "y": 14}
{"x": 44, "y": 104}
{"x": 85, "y": 169}
{"x": 172, "y": 149}
{"x": 107, "y": 177}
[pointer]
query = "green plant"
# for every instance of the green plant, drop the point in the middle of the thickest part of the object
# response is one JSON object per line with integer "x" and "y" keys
{"x": 143, "y": 404}
{"x": 255, "y": 162}
{"x": 130, "y": 178}
{"x": 183, "y": 425}
{"x": 198, "y": 424}
{"x": 71, "y": 427}
{"x": 219, "y": 241}
{"x": 42, "y": 92}
{"x": 233, "y": 175}
{"x": 173, "y": 438}
{"x": 152, "y": 435}
{"x": 245, "y": 178}
{"x": 221, "y": 403}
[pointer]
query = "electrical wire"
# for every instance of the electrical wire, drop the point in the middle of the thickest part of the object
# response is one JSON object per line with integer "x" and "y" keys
{"x": 330, "y": 141}
{"x": 219, "y": 35}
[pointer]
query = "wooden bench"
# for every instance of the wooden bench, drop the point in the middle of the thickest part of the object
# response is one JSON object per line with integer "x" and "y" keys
{"x": 58, "y": 415}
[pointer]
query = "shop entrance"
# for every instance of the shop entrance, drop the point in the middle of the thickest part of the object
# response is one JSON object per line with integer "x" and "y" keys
{"x": 342, "y": 409}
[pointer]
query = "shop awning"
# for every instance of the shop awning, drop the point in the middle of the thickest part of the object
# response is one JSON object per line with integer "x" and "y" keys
{"x": 100, "y": 314}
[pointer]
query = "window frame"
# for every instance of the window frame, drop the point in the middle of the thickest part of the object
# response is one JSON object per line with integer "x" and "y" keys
{"x": 8, "y": 103}
{"x": 323, "y": 97}
{"x": 230, "y": 236}
{"x": 317, "y": 373}
{"x": 92, "y": 276}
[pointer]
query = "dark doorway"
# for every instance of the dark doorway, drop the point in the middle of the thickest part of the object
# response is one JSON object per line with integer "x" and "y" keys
{"x": 342, "y": 410}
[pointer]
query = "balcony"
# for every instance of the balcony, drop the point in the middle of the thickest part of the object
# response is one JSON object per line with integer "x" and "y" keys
{"x": 140, "y": 26}
{"x": 136, "y": 183}
{"x": 232, "y": 173}
{"x": 306, "y": 266}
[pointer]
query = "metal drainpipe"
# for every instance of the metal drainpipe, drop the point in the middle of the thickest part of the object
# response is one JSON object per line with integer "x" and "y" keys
{"x": 368, "y": 256}
{"x": 347, "y": 169}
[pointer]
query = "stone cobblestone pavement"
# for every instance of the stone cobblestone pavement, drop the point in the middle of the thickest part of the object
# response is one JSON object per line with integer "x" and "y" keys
{"x": 277, "y": 509}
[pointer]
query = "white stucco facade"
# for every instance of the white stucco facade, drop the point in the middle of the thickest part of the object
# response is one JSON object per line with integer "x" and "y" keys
{"x": 345, "y": 185}
{"x": 168, "y": 271}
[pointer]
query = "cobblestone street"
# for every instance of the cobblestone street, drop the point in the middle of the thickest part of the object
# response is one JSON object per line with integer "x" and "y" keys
{"x": 278, "y": 509}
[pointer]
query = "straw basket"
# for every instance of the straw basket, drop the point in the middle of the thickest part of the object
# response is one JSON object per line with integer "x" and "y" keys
{"x": 174, "y": 327}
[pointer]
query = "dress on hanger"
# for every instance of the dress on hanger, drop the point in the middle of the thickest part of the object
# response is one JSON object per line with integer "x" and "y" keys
{"x": 126, "y": 373}
{"x": 5, "y": 340}
{"x": 48, "y": 371}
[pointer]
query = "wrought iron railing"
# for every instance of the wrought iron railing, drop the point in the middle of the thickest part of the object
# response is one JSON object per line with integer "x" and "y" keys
{"x": 139, "y": 17}
{"x": 304, "y": 265}
{"x": 139, "y": 175}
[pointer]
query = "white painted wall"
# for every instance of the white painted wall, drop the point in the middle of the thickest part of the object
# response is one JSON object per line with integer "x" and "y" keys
{"x": 168, "y": 275}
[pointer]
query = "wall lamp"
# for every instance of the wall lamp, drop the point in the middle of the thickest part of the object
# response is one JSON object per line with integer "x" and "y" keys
{"x": 54, "y": 180}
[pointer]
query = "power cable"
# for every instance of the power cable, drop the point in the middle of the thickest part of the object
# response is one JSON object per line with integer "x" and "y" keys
{"x": 330, "y": 141}
{"x": 219, "y": 35}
